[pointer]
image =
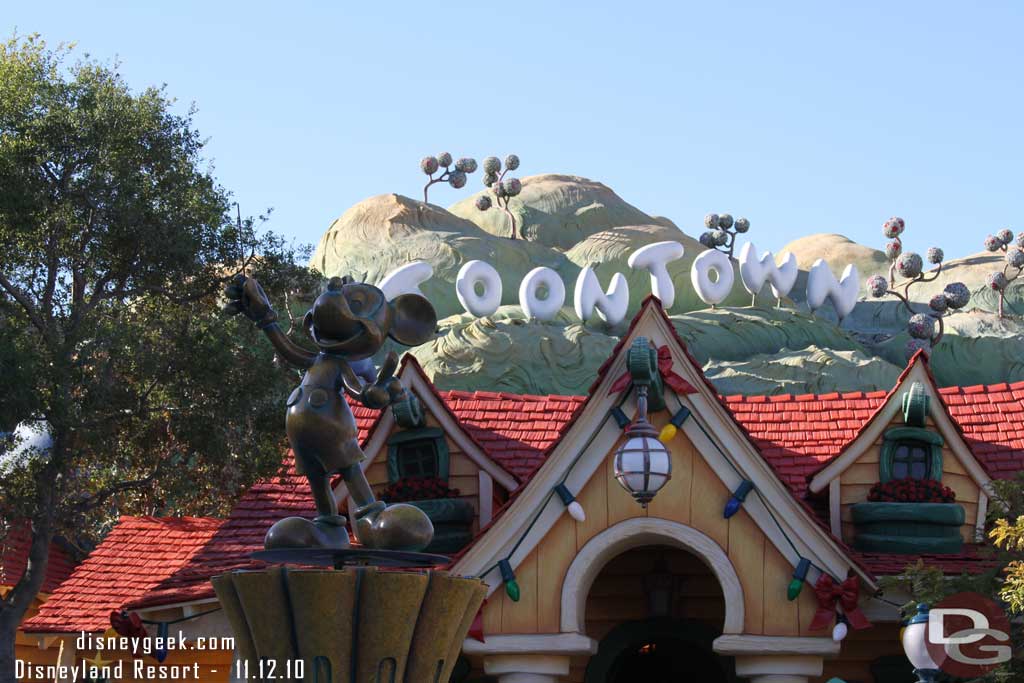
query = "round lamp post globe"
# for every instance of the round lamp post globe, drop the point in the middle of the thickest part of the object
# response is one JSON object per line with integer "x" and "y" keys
{"x": 915, "y": 645}
{"x": 642, "y": 464}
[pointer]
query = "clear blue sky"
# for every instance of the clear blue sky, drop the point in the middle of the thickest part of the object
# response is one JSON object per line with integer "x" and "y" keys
{"x": 805, "y": 117}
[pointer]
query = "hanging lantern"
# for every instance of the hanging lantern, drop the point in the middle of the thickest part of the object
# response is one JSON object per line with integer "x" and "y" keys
{"x": 642, "y": 464}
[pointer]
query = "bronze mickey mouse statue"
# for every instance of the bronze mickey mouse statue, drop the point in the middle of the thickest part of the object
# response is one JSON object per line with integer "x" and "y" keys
{"x": 348, "y": 323}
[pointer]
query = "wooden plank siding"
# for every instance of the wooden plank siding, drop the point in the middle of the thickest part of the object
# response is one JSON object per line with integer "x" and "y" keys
{"x": 856, "y": 481}
{"x": 694, "y": 496}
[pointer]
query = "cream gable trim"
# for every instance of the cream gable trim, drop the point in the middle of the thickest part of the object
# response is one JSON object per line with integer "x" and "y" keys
{"x": 415, "y": 382}
{"x": 794, "y": 521}
{"x": 641, "y": 531}
{"x": 880, "y": 422}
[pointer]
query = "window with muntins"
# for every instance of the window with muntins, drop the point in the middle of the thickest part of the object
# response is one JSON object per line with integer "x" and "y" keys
{"x": 417, "y": 459}
{"x": 911, "y": 459}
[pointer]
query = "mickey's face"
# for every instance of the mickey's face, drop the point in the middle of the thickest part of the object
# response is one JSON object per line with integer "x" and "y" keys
{"x": 353, "y": 319}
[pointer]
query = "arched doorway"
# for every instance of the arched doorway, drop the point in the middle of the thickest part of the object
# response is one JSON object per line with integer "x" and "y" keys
{"x": 655, "y": 611}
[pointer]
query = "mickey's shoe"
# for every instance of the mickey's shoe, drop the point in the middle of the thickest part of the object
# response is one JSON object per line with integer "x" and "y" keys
{"x": 393, "y": 527}
{"x": 327, "y": 531}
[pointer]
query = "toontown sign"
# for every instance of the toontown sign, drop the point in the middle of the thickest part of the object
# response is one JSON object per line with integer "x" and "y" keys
{"x": 542, "y": 292}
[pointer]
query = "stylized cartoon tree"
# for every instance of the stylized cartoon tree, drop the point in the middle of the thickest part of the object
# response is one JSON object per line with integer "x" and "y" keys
{"x": 503, "y": 188}
{"x": 1000, "y": 280}
{"x": 925, "y": 328}
{"x": 456, "y": 177}
{"x": 721, "y": 232}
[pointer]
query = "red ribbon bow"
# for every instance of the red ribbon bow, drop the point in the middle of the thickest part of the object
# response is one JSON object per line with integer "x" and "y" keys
{"x": 668, "y": 375}
{"x": 845, "y": 594}
{"x": 130, "y": 625}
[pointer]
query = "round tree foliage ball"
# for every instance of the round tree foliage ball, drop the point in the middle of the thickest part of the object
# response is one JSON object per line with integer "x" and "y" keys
{"x": 490, "y": 179}
{"x": 721, "y": 238}
{"x": 909, "y": 264}
{"x": 444, "y": 159}
{"x": 742, "y": 225}
{"x": 921, "y": 326}
{"x": 499, "y": 189}
{"x": 466, "y": 165}
{"x": 428, "y": 165}
{"x": 707, "y": 239}
{"x": 1005, "y": 235}
{"x": 893, "y": 227}
{"x": 938, "y": 303}
{"x": 483, "y": 202}
{"x": 935, "y": 255}
{"x": 893, "y": 249}
{"x": 511, "y": 162}
{"x": 725, "y": 221}
{"x": 998, "y": 281}
{"x": 915, "y": 345}
{"x": 1015, "y": 257}
{"x": 957, "y": 295}
{"x": 457, "y": 179}
{"x": 511, "y": 186}
{"x": 492, "y": 165}
{"x": 877, "y": 285}
{"x": 1020, "y": 240}
{"x": 993, "y": 243}
{"x": 711, "y": 221}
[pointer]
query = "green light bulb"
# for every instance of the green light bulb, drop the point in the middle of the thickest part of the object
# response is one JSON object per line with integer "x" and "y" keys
{"x": 512, "y": 588}
{"x": 795, "y": 586}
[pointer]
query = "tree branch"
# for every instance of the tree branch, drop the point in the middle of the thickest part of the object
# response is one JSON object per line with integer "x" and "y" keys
{"x": 29, "y": 307}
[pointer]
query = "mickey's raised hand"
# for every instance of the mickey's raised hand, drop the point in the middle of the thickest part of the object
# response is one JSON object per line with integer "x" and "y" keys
{"x": 246, "y": 296}
{"x": 387, "y": 389}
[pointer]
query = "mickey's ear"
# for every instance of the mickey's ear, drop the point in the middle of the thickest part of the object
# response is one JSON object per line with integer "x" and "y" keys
{"x": 414, "y": 320}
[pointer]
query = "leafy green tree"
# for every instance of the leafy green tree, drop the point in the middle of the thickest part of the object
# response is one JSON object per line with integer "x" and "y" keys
{"x": 115, "y": 243}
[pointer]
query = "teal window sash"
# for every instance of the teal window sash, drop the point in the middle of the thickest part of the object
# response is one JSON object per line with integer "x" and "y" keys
{"x": 432, "y": 434}
{"x": 898, "y": 436}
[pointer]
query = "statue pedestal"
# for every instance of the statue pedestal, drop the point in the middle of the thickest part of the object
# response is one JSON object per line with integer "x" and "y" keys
{"x": 355, "y": 624}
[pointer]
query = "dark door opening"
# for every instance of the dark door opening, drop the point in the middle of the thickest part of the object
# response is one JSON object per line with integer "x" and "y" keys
{"x": 666, "y": 660}
{"x": 658, "y": 651}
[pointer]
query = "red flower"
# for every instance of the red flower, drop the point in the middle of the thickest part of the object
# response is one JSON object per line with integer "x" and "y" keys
{"x": 911, "y": 491}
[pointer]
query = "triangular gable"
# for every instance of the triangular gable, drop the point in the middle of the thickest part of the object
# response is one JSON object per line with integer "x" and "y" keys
{"x": 793, "y": 531}
{"x": 416, "y": 381}
{"x": 917, "y": 370}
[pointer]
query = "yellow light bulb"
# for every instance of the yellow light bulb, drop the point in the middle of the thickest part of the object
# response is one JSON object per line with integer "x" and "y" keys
{"x": 668, "y": 432}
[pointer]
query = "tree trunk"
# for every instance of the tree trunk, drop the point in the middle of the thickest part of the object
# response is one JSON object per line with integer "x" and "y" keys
{"x": 9, "y": 621}
{"x": 21, "y": 597}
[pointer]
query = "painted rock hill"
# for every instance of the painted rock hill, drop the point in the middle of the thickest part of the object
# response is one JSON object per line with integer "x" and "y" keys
{"x": 567, "y": 223}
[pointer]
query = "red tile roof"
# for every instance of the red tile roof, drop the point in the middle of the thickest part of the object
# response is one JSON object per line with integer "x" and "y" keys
{"x": 991, "y": 420}
{"x": 515, "y": 430}
{"x": 135, "y": 557}
{"x": 797, "y": 434}
{"x": 14, "y": 557}
{"x": 974, "y": 559}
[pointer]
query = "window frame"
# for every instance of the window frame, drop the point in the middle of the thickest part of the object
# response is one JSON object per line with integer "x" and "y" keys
{"x": 899, "y": 436}
{"x": 408, "y": 436}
